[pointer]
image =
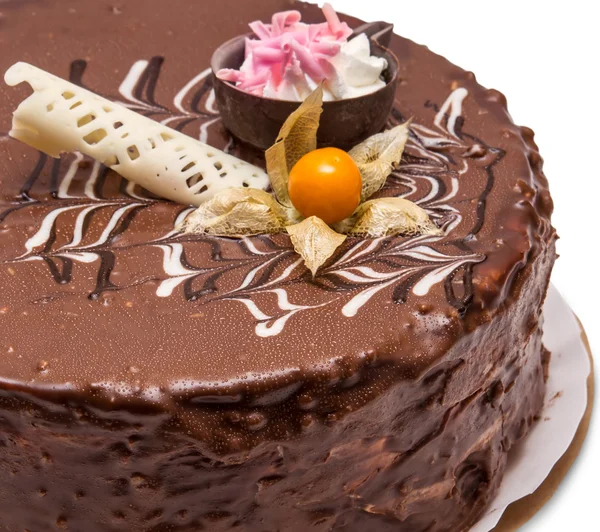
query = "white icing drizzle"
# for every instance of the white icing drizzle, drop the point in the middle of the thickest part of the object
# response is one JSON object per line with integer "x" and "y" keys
{"x": 433, "y": 191}
{"x": 424, "y": 285}
{"x": 286, "y": 273}
{"x": 167, "y": 121}
{"x": 351, "y": 308}
{"x": 178, "y": 221}
{"x": 253, "y": 308}
{"x": 130, "y": 191}
{"x": 167, "y": 287}
{"x": 78, "y": 228}
{"x": 252, "y": 248}
{"x": 283, "y": 301}
{"x": 172, "y": 260}
{"x": 63, "y": 189}
{"x": 268, "y": 325}
{"x": 204, "y": 129}
{"x": 129, "y": 83}
{"x": 368, "y": 274}
{"x": 453, "y": 190}
{"x": 362, "y": 248}
{"x": 178, "y": 100}
{"x": 425, "y": 253}
{"x": 266, "y": 329}
{"x": 114, "y": 220}
{"x": 230, "y": 143}
{"x": 210, "y": 102}
{"x": 251, "y": 275}
{"x": 43, "y": 233}
{"x": 174, "y": 268}
{"x": 81, "y": 257}
{"x": 91, "y": 182}
{"x": 454, "y": 105}
{"x": 209, "y": 105}
{"x": 273, "y": 325}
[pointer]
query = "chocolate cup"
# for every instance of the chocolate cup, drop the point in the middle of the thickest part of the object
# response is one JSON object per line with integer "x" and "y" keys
{"x": 256, "y": 120}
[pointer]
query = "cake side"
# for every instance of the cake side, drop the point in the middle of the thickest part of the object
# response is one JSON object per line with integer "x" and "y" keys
{"x": 428, "y": 454}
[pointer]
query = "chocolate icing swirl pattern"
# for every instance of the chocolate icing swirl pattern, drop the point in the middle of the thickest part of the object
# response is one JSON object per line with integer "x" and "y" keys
{"x": 435, "y": 159}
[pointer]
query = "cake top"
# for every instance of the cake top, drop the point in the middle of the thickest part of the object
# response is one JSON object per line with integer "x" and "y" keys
{"x": 101, "y": 293}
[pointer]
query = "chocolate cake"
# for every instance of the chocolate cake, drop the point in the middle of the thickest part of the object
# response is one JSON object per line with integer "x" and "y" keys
{"x": 152, "y": 380}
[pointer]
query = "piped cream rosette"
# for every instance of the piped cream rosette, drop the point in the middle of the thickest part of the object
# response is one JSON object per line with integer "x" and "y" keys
{"x": 62, "y": 117}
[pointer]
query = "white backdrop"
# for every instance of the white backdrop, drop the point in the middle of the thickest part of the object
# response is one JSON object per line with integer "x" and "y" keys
{"x": 543, "y": 55}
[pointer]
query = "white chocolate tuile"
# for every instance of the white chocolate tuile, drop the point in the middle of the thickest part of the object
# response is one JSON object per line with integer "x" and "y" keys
{"x": 62, "y": 117}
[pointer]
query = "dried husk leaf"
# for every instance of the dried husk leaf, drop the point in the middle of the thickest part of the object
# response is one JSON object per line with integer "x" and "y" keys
{"x": 390, "y": 216}
{"x": 297, "y": 137}
{"x": 238, "y": 212}
{"x": 314, "y": 241}
{"x": 377, "y": 157}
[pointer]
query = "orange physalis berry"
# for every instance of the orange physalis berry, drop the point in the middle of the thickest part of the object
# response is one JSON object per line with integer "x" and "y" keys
{"x": 325, "y": 183}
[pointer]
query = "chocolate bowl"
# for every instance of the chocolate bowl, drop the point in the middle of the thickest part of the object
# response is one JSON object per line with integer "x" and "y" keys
{"x": 256, "y": 120}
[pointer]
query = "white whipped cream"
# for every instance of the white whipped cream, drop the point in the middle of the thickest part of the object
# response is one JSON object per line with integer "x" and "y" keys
{"x": 359, "y": 72}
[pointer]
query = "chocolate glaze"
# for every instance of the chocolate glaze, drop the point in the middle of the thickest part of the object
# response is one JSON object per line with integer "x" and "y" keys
{"x": 125, "y": 410}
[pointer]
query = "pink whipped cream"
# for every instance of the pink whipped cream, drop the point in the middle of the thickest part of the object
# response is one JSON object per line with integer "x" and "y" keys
{"x": 289, "y": 58}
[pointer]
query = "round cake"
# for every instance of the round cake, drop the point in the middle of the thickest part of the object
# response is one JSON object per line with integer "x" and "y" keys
{"x": 152, "y": 380}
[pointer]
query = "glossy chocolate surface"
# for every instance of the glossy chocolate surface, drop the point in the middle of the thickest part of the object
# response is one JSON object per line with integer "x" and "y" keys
{"x": 151, "y": 381}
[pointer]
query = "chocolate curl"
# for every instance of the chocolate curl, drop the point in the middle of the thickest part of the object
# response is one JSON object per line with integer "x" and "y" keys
{"x": 329, "y": 71}
{"x": 332, "y": 18}
{"x": 325, "y": 48}
{"x": 300, "y": 35}
{"x": 265, "y": 57}
{"x": 260, "y": 29}
{"x": 276, "y": 75}
{"x": 271, "y": 42}
{"x": 287, "y": 40}
{"x": 339, "y": 29}
{"x": 309, "y": 64}
{"x": 277, "y": 69}
{"x": 252, "y": 83}
{"x": 228, "y": 74}
{"x": 248, "y": 47}
{"x": 315, "y": 30}
{"x": 280, "y": 21}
